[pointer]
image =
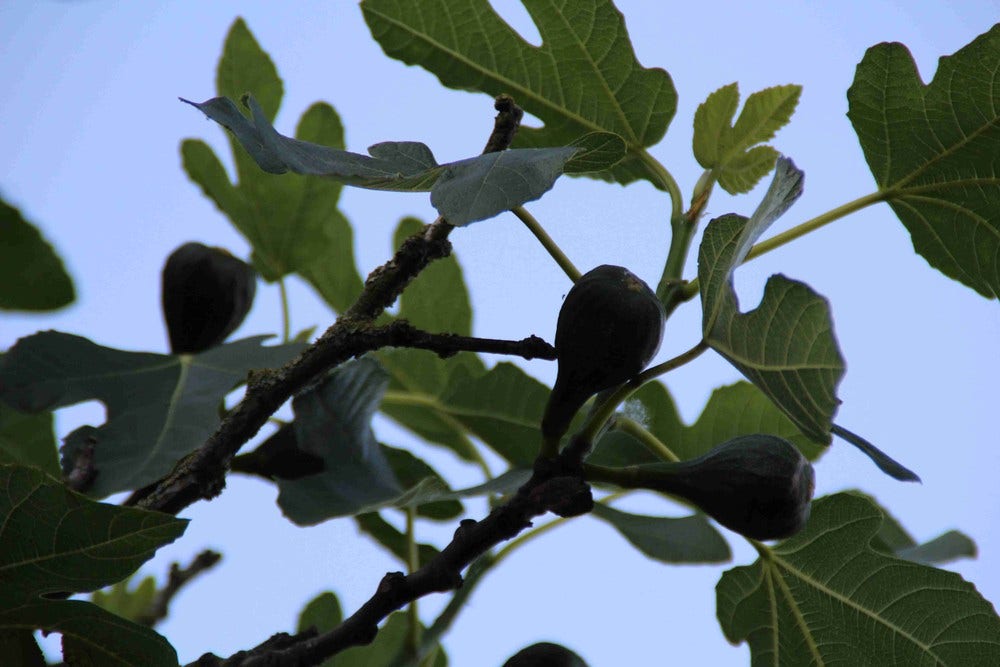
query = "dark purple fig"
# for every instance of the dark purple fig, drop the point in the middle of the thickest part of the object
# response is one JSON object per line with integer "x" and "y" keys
{"x": 610, "y": 326}
{"x": 545, "y": 654}
{"x": 206, "y": 293}
{"x": 757, "y": 485}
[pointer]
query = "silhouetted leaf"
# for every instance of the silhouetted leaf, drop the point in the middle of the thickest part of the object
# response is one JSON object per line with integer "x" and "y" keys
{"x": 826, "y": 597}
{"x": 54, "y": 540}
{"x": 690, "y": 539}
{"x": 32, "y": 276}
{"x": 932, "y": 150}
{"x": 159, "y": 407}
{"x": 583, "y": 78}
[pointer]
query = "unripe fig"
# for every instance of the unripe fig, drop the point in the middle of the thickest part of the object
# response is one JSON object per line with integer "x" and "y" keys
{"x": 206, "y": 293}
{"x": 757, "y": 485}
{"x": 610, "y": 326}
{"x": 545, "y": 654}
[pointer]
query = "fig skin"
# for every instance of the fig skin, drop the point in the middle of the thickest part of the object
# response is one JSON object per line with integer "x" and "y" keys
{"x": 610, "y": 326}
{"x": 759, "y": 486}
{"x": 545, "y": 654}
{"x": 205, "y": 293}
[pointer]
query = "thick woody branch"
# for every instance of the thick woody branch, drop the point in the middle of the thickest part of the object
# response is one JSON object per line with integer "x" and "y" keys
{"x": 556, "y": 486}
{"x": 201, "y": 474}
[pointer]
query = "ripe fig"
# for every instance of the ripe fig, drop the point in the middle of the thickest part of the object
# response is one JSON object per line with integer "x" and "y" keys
{"x": 206, "y": 293}
{"x": 545, "y": 654}
{"x": 610, "y": 326}
{"x": 757, "y": 485}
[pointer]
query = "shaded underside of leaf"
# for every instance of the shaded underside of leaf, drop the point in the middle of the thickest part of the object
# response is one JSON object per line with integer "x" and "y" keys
{"x": 690, "y": 539}
{"x": 932, "y": 149}
{"x": 786, "y": 346}
{"x": 463, "y": 192}
{"x": 826, "y": 597}
{"x": 583, "y": 78}
{"x": 160, "y": 407}
{"x": 28, "y": 439}
{"x": 333, "y": 421}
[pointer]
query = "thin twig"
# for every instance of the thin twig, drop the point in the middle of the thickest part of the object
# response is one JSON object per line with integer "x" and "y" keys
{"x": 178, "y": 578}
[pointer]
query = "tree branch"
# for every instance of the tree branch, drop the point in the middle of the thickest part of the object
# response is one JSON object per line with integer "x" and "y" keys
{"x": 178, "y": 578}
{"x": 202, "y": 474}
{"x": 556, "y": 486}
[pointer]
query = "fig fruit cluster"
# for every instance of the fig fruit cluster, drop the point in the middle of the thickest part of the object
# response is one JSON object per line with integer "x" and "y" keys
{"x": 206, "y": 293}
{"x": 610, "y": 326}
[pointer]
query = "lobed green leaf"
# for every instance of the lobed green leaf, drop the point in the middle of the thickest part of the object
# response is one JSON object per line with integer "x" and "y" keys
{"x": 730, "y": 150}
{"x": 293, "y": 224}
{"x": 932, "y": 150}
{"x": 786, "y": 346}
{"x": 827, "y": 597}
{"x": 583, "y": 78}
{"x": 159, "y": 407}
{"x": 53, "y": 540}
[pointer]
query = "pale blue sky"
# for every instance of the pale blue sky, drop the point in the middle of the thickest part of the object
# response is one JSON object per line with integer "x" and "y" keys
{"x": 90, "y": 129}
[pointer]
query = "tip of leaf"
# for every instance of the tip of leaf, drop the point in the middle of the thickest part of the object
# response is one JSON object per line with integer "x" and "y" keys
{"x": 885, "y": 463}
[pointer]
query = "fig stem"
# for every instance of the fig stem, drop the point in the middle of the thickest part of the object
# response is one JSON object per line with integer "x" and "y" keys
{"x": 412, "y": 565}
{"x": 604, "y": 412}
{"x": 690, "y": 290}
{"x": 643, "y": 435}
{"x": 547, "y": 242}
{"x": 666, "y": 182}
{"x": 286, "y": 320}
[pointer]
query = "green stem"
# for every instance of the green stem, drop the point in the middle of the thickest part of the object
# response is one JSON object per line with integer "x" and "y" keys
{"x": 642, "y": 434}
{"x": 286, "y": 324}
{"x": 412, "y": 564}
{"x": 604, "y": 412}
{"x": 691, "y": 289}
{"x": 666, "y": 181}
{"x": 550, "y": 245}
{"x": 670, "y": 288}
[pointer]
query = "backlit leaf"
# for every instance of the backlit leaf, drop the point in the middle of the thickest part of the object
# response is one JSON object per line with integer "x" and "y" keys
{"x": 583, "y": 78}
{"x": 826, "y": 597}
{"x": 932, "y": 149}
